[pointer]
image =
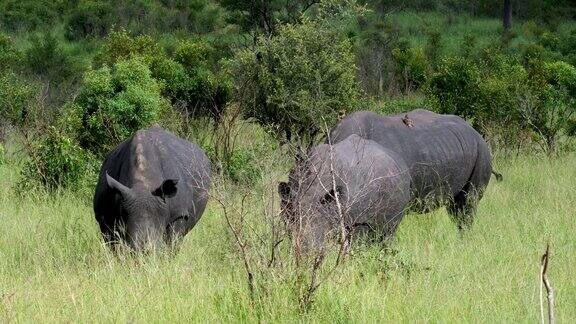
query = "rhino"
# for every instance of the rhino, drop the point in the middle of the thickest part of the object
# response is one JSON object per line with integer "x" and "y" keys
{"x": 382, "y": 166}
{"x": 450, "y": 163}
{"x": 152, "y": 189}
{"x": 355, "y": 186}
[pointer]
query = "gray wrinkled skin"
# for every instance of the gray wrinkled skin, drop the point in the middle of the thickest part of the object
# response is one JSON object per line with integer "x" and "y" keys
{"x": 372, "y": 183}
{"x": 449, "y": 162}
{"x": 152, "y": 189}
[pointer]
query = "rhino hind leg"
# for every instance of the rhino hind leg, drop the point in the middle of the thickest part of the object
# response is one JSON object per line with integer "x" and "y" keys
{"x": 462, "y": 207}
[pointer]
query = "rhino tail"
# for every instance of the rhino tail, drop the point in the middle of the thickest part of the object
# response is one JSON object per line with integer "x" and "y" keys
{"x": 497, "y": 175}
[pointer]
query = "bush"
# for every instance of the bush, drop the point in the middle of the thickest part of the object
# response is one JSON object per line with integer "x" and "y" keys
{"x": 16, "y": 99}
{"x": 19, "y": 15}
{"x": 46, "y": 58}
{"x": 411, "y": 67}
{"x": 453, "y": 89}
{"x": 193, "y": 55}
{"x": 552, "y": 108}
{"x": 121, "y": 46}
{"x": 498, "y": 93}
{"x": 298, "y": 81}
{"x": 116, "y": 102}
{"x": 91, "y": 18}
{"x": 207, "y": 93}
{"x": 242, "y": 167}
{"x": 186, "y": 79}
{"x": 488, "y": 92}
{"x": 56, "y": 161}
{"x": 434, "y": 46}
{"x": 8, "y": 53}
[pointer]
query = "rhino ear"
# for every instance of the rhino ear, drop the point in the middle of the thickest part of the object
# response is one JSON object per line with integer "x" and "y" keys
{"x": 167, "y": 189}
{"x": 117, "y": 186}
{"x": 283, "y": 190}
{"x": 331, "y": 196}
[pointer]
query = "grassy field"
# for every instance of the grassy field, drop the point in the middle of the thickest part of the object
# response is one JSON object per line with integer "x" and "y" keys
{"x": 54, "y": 268}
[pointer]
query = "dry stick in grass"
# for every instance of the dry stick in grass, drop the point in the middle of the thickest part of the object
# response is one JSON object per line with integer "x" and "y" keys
{"x": 343, "y": 232}
{"x": 546, "y": 283}
{"x": 241, "y": 243}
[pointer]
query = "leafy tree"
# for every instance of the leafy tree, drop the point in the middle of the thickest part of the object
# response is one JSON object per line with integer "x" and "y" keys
{"x": 264, "y": 16}
{"x": 299, "y": 80}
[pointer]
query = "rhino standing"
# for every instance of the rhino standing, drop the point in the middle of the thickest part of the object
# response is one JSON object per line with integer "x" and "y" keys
{"x": 381, "y": 165}
{"x": 355, "y": 183}
{"x": 152, "y": 188}
{"x": 449, "y": 162}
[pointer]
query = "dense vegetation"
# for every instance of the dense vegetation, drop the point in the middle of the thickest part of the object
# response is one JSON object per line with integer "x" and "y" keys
{"x": 252, "y": 82}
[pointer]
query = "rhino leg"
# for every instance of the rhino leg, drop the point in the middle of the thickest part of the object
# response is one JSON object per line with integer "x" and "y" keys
{"x": 462, "y": 207}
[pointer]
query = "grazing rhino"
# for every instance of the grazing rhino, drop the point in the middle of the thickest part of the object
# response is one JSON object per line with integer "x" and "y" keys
{"x": 449, "y": 162}
{"x": 152, "y": 188}
{"x": 356, "y": 185}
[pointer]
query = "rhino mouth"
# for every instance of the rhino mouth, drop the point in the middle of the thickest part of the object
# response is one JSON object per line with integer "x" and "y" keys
{"x": 172, "y": 226}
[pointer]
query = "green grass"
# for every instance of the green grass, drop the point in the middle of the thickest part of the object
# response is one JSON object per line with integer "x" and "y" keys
{"x": 53, "y": 267}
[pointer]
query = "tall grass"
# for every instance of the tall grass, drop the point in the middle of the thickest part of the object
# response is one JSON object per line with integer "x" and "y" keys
{"x": 54, "y": 268}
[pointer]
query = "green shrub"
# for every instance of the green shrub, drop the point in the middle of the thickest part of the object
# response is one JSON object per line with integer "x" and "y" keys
{"x": 116, "y": 102}
{"x": 434, "y": 46}
{"x": 56, "y": 161}
{"x": 567, "y": 46}
{"x": 468, "y": 45}
{"x": 9, "y": 56}
{"x": 207, "y": 92}
{"x": 185, "y": 79}
{"x": 552, "y": 109}
{"x": 193, "y": 55}
{"x": 499, "y": 93}
{"x": 120, "y": 46}
{"x": 46, "y": 58}
{"x": 21, "y": 15}
{"x": 176, "y": 82}
{"x": 17, "y": 98}
{"x": 90, "y": 18}
{"x": 411, "y": 67}
{"x": 242, "y": 167}
{"x": 453, "y": 89}
{"x": 298, "y": 81}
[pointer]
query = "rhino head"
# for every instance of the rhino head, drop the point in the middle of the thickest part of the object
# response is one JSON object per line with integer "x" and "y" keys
{"x": 146, "y": 221}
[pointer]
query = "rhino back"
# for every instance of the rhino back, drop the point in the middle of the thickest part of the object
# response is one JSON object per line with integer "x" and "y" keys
{"x": 375, "y": 181}
{"x": 440, "y": 150}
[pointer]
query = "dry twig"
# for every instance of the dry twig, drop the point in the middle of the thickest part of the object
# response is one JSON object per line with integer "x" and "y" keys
{"x": 544, "y": 282}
